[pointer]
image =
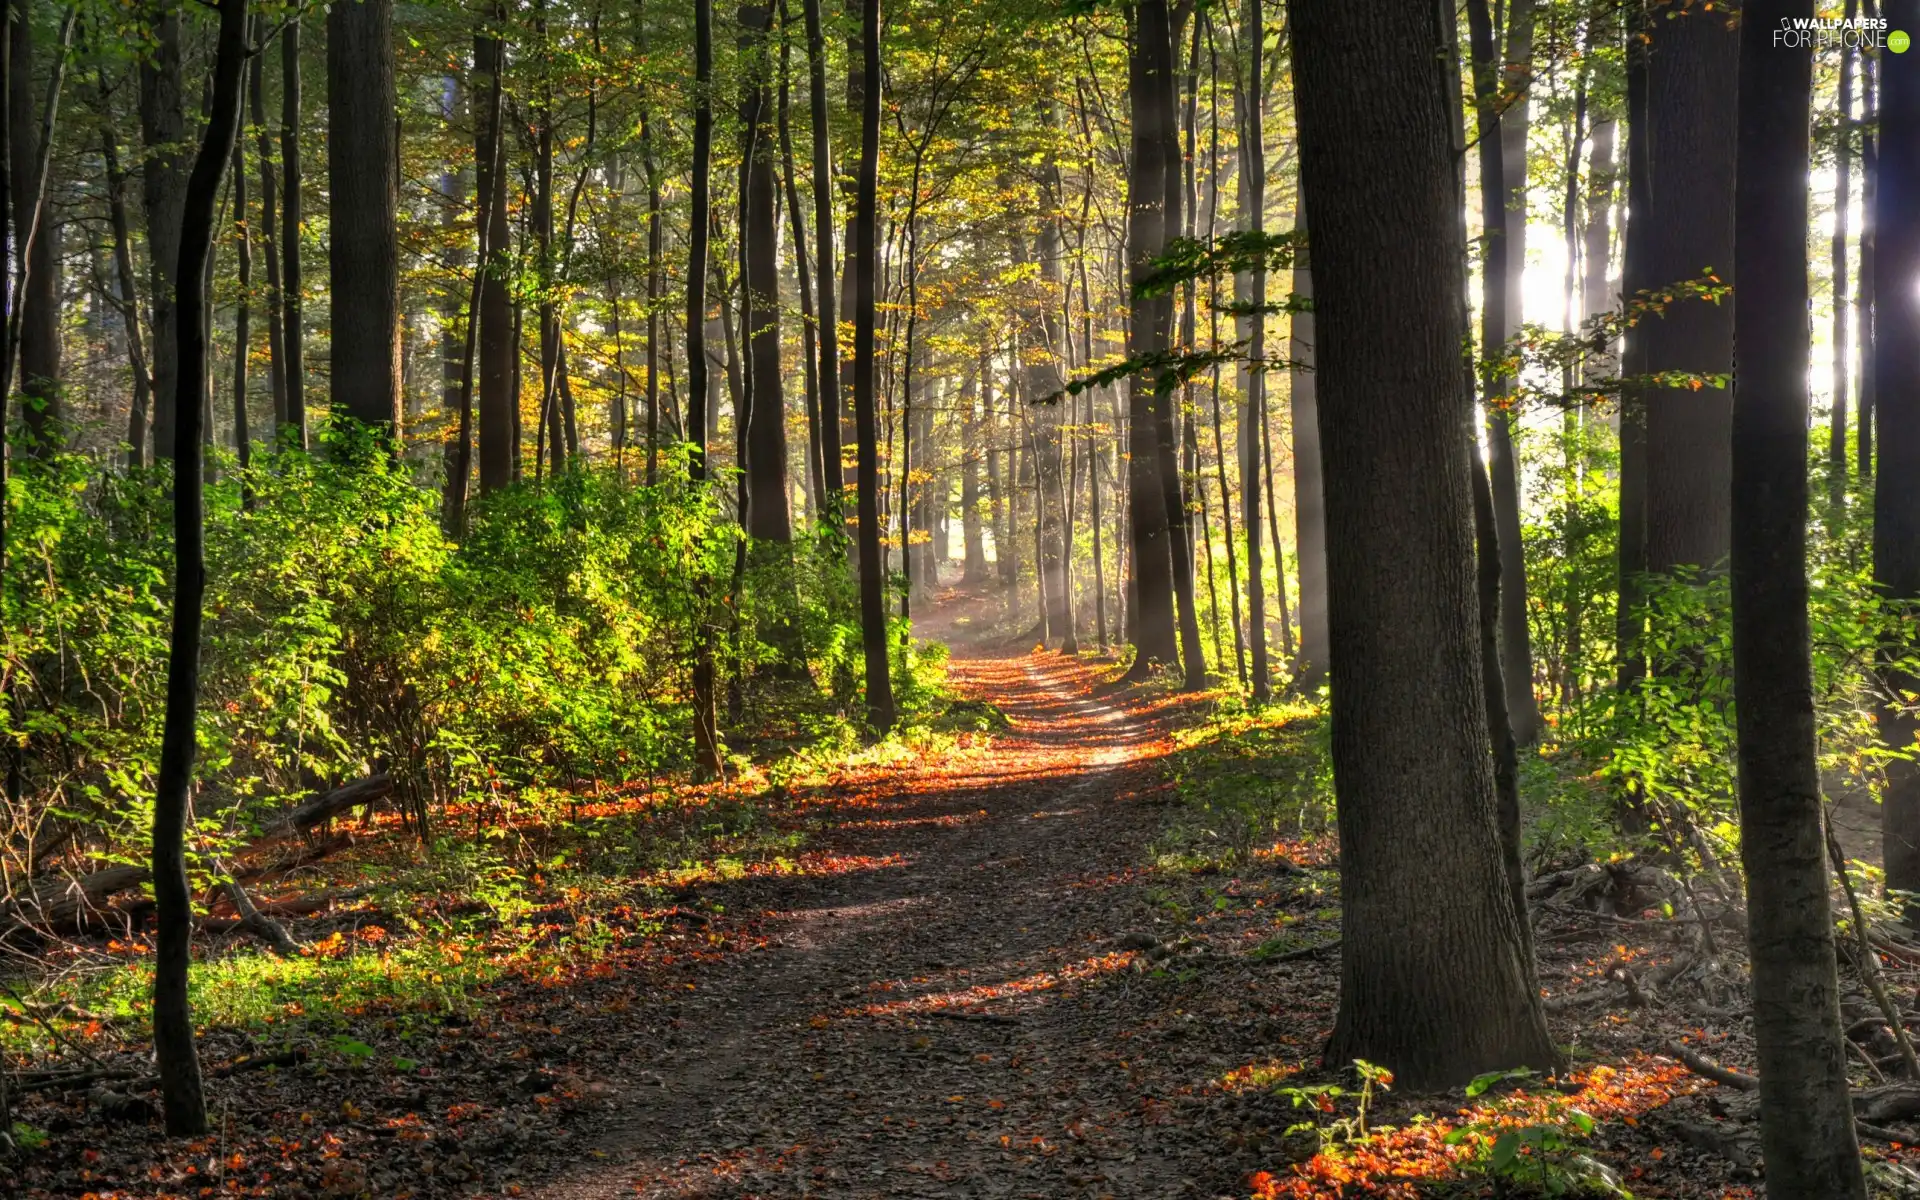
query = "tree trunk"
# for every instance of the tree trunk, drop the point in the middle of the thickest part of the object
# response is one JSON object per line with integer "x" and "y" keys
{"x": 163, "y": 128}
{"x": 454, "y": 370}
{"x": 549, "y": 429}
{"x": 1806, "y": 1116}
{"x": 1309, "y": 501}
{"x": 499, "y": 440}
{"x": 706, "y": 717}
{"x": 363, "y": 256}
{"x": 1253, "y": 175}
{"x": 1692, "y": 80}
{"x": 269, "y": 205}
{"x": 849, "y": 271}
{"x": 1842, "y": 194}
{"x": 1630, "y": 663}
{"x": 1869, "y": 272}
{"x": 1417, "y": 812}
{"x": 39, "y": 315}
{"x": 865, "y": 268}
{"x": 816, "y": 474}
{"x": 973, "y": 433}
{"x": 1595, "y": 236}
{"x": 182, "y": 1098}
{"x": 1503, "y": 216}
{"x": 832, "y": 406}
{"x": 242, "y": 309}
{"x": 1896, "y": 364}
{"x": 140, "y": 410}
{"x": 1151, "y": 88}
{"x": 292, "y": 339}
{"x": 1166, "y": 127}
{"x": 769, "y": 517}
{"x": 655, "y": 236}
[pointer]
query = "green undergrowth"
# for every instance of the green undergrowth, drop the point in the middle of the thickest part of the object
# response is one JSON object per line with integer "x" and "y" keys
{"x": 542, "y": 885}
{"x": 1248, "y": 776}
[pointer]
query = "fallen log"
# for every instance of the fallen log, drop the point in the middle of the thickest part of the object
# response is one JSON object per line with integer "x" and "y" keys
{"x": 268, "y": 930}
{"x": 1701, "y": 1065}
{"x": 61, "y": 901}
{"x": 65, "y": 902}
{"x": 317, "y": 809}
{"x": 1893, "y": 1102}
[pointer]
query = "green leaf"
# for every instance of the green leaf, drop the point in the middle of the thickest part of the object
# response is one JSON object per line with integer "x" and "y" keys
{"x": 351, "y": 1047}
{"x": 1505, "y": 1148}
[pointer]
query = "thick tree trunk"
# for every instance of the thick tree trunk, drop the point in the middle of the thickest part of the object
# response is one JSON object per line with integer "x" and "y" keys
{"x": 1151, "y": 88}
{"x": 1896, "y": 364}
{"x": 363, "y": 255}
{"x": 182, "y": 1098}
{"x": 1806, "y": 1116}
{"x": 1417, "y": 811}
{"x": 163, "y": 128}
{"x": 769, "y": 517}
{"x": 1692, "y": 81}
{"x": 1253, "y": 176}
{"x": 865, "y": 266}
{"x": 499, "y": 440}
{"x": 1629, "y": 656}
{"x": 292, "y": 337}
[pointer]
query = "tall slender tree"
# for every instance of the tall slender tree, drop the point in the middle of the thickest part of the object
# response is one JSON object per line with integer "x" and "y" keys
{"x": 1842, "y": 349}
{"x": 1253, "y": 200}
{"x": 1503, "y": 217}
{"x": 865, "y": 269}
{"x": 1806, "y": 1114}
{"x": 832, "y": 404}
{"x": 706, "y": 716}
{"x": 182, "y": 1097}
{"x": 269, "y": 239}
{"x": 292, "y": 268}
{"x": 498, "y": 408}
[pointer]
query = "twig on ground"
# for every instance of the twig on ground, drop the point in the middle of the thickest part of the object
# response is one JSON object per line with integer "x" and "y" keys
{"x": 1873, "y": 1068}
{"x": 1701, "y": 1065}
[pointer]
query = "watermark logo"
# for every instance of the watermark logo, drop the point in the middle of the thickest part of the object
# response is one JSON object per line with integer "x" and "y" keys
{"x": 1836, "y": 33}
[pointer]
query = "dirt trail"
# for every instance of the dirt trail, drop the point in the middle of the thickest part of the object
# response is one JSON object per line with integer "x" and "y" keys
{"x": 951, "y": 1020}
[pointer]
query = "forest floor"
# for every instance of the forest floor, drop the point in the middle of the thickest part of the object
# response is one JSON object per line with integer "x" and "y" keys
{"x": 983, "y": 978}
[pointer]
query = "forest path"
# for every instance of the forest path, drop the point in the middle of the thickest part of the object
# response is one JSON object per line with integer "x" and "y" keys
{"x": 949, "y": 1016}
